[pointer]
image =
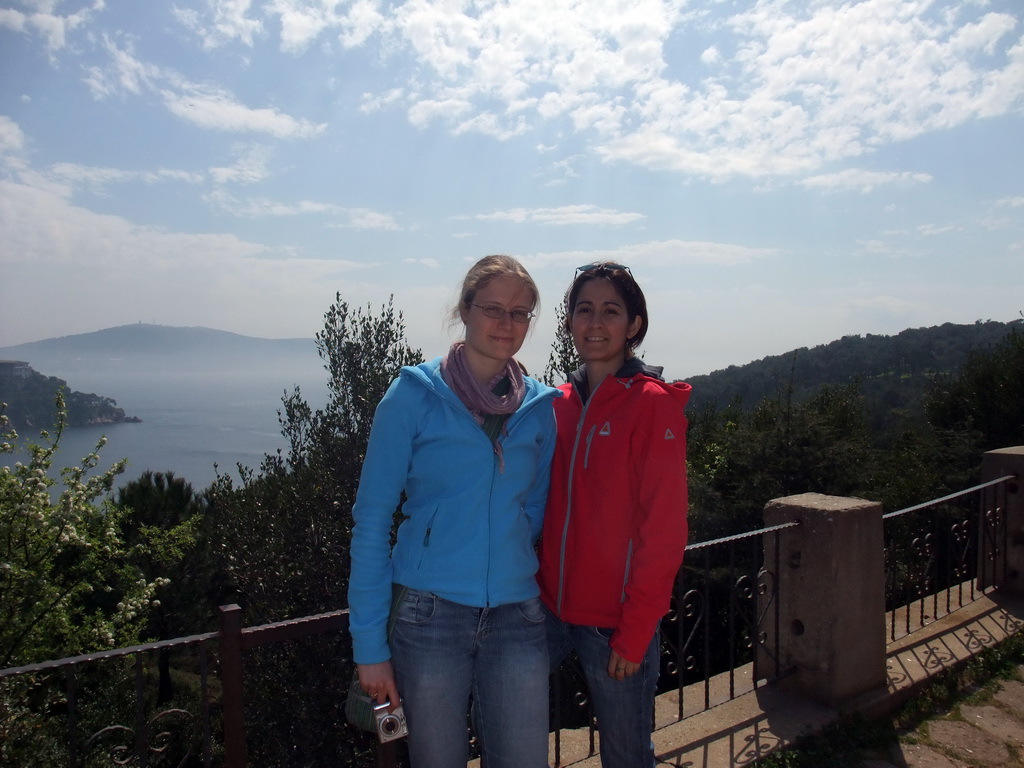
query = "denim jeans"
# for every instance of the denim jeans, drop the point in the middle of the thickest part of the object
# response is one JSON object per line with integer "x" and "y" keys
{"x": 624, "y": 708}
{"x": 444, "y": 652}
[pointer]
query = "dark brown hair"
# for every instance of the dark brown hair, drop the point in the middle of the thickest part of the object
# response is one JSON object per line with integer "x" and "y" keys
{"x": 628, "y": 289}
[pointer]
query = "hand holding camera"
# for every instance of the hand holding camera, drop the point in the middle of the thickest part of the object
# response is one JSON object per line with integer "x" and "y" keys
{"x": 390, "y": 725}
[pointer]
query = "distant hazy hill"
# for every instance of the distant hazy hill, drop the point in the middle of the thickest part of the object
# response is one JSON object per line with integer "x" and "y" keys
{"x": 123, "y": 352}
{"x": 129, "y": 347}
{"x": 894, "y": 372}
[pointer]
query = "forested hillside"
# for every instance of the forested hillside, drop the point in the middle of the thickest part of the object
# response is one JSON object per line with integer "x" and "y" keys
{"x": 893, "y": 373}
{"x": 31, "y": 403}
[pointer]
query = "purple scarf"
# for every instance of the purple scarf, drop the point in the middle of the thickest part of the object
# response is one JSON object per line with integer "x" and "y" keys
{"x": 481, "y": 400}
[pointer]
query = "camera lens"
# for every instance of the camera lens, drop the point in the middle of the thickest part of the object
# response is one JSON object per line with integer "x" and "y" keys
{"x": 389, "y": 724}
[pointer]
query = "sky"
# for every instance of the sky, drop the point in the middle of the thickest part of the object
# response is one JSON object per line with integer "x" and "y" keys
{"x": 775, "y": 174}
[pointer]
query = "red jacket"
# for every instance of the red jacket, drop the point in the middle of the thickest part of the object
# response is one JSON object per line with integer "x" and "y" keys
{"x": 615, "y": 524}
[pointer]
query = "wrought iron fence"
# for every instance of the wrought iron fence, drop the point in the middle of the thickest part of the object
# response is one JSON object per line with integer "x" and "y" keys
{"x": 209, "y": 700}
{"x": 715, "y": 641}
{"x": 116, "y": 707}
{"x": 223, "y": 691}
{"x": 943, "y": 554}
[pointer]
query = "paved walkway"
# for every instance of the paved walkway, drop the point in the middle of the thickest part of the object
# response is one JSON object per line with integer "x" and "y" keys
{"x": 738, "y": 731}
{"x": 989, "y": 735}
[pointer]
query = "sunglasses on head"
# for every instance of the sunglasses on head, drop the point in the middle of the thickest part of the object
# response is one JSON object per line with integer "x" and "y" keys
{"x": 602, "y": 266}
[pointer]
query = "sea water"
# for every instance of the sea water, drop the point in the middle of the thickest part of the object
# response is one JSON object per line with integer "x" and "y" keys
{"x": 192, "y": 424}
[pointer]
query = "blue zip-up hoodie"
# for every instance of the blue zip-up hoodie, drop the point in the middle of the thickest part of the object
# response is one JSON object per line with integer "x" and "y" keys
{"x": 469, "y": 528}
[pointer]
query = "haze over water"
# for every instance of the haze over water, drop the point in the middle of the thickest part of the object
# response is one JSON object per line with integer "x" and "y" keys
{"x": 190, "y": 421}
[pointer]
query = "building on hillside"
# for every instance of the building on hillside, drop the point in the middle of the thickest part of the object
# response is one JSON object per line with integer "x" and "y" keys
{"x": 14, "y": 371}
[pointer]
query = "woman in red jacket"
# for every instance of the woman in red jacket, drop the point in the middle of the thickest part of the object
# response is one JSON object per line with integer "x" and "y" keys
{"x": 615, "y": 524}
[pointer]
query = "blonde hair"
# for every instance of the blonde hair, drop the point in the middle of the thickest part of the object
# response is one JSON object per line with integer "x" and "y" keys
{"x": 485, "y": 270}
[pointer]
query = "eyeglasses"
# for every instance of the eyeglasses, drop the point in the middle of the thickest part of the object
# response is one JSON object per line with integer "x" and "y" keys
{"x": 495, "y": 312}
{"x": 603, "y": 265}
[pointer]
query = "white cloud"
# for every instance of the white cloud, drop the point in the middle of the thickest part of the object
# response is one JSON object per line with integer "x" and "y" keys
{"x": 227, "y": 20}
{"x": 205, "y": 105}
{"x": 374, "y": 102}
{"x": 426, "y": 111}
{"x": 45, "y": 228}
{"x": 1010, "y": 202}
{"x": 993, "y": 223}
{"x": 12, "y": 139}
{"x": 42, "y": 20}
{"x": 211, "y": 107}
{"x": 876, "y": 247}
{"x": 364, "y": 218}
{"x": 785, "y": 89}
{"x": 301, "y": 22}
{"x": 147, "y": 269}
{"x": 929, "y": 230}
{"x": 249, "y": 168}
{"x": 807, "y": 84}
{"x": 657, "y": 253}
{"x": 865, "y": 181}
{"x": 568, "y": 214}
{"x": 98, "y": 177}
{"x": 431, "y": 263}
{"x": 711, "y": 56}
{"x": 261, "y": 208}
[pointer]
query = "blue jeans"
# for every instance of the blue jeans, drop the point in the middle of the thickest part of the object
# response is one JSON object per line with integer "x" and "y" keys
{"x": 445, "y": 652}
{"x": 624, "y": 708}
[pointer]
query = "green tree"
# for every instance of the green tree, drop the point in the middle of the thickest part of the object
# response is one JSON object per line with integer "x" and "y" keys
{"x": 284, "y": 535}
{"x": 166, "y": 531}
{"x": 983, "y": 402}
{"x": 563, "y": 359}
{"x": 67, "y": 584}
{"x": 739, "y": 460}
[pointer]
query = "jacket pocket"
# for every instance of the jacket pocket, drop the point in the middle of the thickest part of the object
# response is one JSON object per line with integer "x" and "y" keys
{"x": 625, "y": 575}
{"x": 426, "y": 537}
{"x": 589, "y": 442}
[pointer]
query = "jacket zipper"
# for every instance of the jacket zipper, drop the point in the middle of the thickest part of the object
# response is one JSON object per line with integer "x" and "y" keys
{"x": 625, "y": 575}
{"x": 568, "y": 500}
{"x": 509, "y": 426}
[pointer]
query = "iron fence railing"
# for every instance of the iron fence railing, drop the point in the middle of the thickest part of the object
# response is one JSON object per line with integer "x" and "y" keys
{"x": 202, "y": 701}
{"x": 105, "y": 708}
{"x": 709, "y": 640}
{"x": 943, "y": 554}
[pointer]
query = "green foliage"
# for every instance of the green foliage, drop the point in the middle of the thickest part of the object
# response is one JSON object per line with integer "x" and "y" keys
{"x": 67, "y": 584}
{"x": 166, "y": 529}
{"x": 894, "y": 373}
{"x": 284, "y": 534}
{"x": 984, "y": 400}
{"x": 563, "y": 359}
{"x": 828, "y": 440}
{"x": 739, "y": 460}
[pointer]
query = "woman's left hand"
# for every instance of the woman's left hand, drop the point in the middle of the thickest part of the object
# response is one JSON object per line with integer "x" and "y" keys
{"x": 619, "y": 668}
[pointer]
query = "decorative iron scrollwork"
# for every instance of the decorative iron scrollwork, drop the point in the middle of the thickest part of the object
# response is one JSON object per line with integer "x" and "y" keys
{"x": 165, "y": 731}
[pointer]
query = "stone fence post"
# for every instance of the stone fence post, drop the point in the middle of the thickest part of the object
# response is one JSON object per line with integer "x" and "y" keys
{"x": 830, "y": 577}
{"x": 1002, "y": 551}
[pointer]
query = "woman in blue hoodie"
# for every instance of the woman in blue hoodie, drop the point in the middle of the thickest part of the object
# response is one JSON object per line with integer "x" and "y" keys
{"x": 469, "y": 439}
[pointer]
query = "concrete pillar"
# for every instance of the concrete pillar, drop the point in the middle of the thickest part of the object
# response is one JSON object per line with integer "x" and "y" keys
{"x": 1002, "y": 550}
{"x": 830, "y": 577}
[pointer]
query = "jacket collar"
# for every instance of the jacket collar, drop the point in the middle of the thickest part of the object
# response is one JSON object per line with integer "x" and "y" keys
{"x": 634, "y": 366}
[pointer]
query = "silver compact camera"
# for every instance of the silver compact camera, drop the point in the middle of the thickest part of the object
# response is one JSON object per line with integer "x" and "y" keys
{"x": 390, "y": 725}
